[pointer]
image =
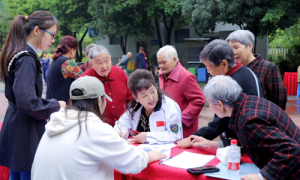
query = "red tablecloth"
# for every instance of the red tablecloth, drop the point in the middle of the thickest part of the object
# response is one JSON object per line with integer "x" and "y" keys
{"x": 156, "y": 171}
{"x": 290, "y": 82}
{"x": 4, "y": 171}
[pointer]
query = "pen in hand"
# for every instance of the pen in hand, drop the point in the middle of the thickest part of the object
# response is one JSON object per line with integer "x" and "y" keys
{"x": 122, "y": 134}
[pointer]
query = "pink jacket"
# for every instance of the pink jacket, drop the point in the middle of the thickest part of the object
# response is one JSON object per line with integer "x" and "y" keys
{"x": 181, "y": 85}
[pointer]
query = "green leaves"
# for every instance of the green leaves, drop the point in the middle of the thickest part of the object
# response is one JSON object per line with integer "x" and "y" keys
{"x": 287, "y": 38}
{"x": 259, "y": 16}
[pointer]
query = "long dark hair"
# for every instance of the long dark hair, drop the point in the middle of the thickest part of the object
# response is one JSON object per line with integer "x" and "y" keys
{"x": 42, "y": 55}
{"x": 139, "y": 80}
{"x": 85, "y": 106}
{"x": 66, "y": 44}
{"x": 17, "y": 36}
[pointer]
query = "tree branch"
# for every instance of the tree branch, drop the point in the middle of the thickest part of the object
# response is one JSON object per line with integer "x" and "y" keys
{"x": 165, "y": 21}
{"x": 84, "y": 34}
{"x": 158, "y": 32}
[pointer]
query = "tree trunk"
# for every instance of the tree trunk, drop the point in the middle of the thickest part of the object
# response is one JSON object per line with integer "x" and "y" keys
{"x": 158, "y": 33}
{"x": 123, "y": 43}
{"x": 126, "y": 35}
{"x": 169, "y": 28}
{"x": 254, "y": 45}
{"x": 123, "y": 47}
{"x": 76, "y": 56}
{"x": 80, "y": 46}
{"x": 169, "y": 32}
{"x": 255, "y": 32}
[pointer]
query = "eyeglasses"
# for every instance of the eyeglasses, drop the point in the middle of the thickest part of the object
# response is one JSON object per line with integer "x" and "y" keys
{"x": 53, "y": 35}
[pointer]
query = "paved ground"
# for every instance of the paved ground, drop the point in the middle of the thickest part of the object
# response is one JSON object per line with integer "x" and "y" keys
{"x": 206, "y": 115}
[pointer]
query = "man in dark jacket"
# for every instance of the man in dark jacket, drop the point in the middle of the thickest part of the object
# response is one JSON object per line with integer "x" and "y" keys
{"x": 219, "y": 60}
{"x": 266, "y": 133}
{"x": 242, "y": 42}
{"x": 141, "y": 59}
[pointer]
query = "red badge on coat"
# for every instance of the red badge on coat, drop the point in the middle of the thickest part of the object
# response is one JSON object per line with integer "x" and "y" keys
{"x": 160, "y": 123}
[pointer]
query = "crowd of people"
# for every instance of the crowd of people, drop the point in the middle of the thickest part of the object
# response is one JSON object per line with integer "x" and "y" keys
{"x": 90, "y": 111}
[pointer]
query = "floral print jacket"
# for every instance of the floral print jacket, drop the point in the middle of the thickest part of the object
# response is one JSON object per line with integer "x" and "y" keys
{"x": 69, "y": 69}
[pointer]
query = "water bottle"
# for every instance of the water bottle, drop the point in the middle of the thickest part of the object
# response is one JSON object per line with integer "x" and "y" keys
{"x": 234, "y": 158}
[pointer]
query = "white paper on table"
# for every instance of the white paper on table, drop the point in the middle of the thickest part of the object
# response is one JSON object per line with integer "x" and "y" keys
{"x": 245, "y": 168}
{"x": 163, "y": 148}
{"x": 168, "y": 153}
{"x": 158, "y": 147}
{"x": 187, "y": 160}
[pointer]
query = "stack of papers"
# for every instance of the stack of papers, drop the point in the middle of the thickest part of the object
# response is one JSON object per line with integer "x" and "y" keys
{"x": 187, "y": 160}
{"x": 245, "y": 168}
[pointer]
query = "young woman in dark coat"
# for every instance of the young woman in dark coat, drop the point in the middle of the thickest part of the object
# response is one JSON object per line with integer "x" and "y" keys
{"x": 20, "y": 69}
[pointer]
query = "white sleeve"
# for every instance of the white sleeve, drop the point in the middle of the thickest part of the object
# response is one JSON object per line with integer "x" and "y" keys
{"x": 123, "y": 124}
{"x": 173, "y": 120}
{"x": 115, "y": 152}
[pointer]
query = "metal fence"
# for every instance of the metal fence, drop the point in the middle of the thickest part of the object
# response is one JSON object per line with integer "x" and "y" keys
{"x": 274, "y": 53}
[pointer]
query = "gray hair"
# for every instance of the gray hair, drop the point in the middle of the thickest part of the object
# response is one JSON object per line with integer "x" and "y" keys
{"x": 245, "y": 37}
{"x": 88, "y": 48}
{"x": 168, "y": 51}
{"x": 216, "y": 51}
{"x": 222, "y": 88}
{"x": 97, "y": 50}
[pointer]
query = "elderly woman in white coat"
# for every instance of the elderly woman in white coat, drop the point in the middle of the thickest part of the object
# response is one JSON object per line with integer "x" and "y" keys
{"x": 156, "y": 116}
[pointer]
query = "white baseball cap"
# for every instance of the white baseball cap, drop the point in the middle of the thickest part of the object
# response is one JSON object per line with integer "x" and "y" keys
{"x": 91, "y": 88}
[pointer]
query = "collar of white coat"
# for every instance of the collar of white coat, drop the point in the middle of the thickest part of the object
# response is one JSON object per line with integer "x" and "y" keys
{"x": 60, "y": 121}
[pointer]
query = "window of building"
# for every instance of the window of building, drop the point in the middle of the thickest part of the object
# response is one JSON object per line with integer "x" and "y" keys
{"x": 181, "y": 34}
{"x": 114, "y": 40}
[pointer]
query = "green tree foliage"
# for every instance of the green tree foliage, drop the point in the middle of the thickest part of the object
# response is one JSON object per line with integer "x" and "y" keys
{"x": 169, "y": 12}
{"x": 72, "y": 15}
{"x": 261, "y": 17}
{"x": 5, "y": 21}
{"x": 120, "y": 18}
{"x": 287, "y": 38}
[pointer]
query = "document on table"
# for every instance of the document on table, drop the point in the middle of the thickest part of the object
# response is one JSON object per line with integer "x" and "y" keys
{"x": 163, "y": 148}
{"x": 245, "y": 168}
{"x": 187, "y": 160}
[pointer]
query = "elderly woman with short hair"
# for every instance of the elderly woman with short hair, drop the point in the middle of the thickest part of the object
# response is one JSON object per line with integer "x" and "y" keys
{"x": 219, "y": 60}
{"x": 114, "y": 80}
{"x": 87, "y": 64}
{"x": 180, "y": 85}
{"x": 242, "y": 43}
{"x": 266, "y": 133}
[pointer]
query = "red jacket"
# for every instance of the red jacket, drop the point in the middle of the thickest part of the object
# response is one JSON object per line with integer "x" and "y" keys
{"x": 181, "y": 85}
{"x": 115, "y": 85}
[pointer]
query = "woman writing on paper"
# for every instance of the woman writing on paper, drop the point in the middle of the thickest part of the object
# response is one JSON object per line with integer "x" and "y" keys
{"x": 155, "y": 115}
{"x": 78, "y": 143}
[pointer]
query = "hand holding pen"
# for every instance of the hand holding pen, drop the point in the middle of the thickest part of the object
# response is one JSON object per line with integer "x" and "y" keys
{"x": 122, "y": 135}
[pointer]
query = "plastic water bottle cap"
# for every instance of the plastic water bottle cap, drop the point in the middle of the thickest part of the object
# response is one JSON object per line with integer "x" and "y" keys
{"x": 233, "y": 141}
